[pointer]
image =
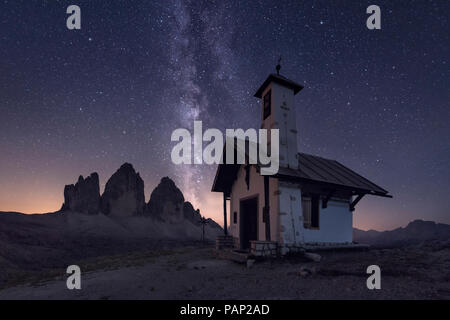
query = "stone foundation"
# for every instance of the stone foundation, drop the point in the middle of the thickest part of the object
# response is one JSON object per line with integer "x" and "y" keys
{"x": 286, "y": 248}
{"x": 263, "y": 248}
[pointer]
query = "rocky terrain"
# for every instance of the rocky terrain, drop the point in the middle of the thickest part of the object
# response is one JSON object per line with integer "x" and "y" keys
{"x": 90, "y": 225}
{"x": 144, "y": 268}
{"x": 195, "y": 272}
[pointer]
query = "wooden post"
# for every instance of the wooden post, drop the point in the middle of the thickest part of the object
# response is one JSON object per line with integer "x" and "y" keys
{"x": 225, "y": 229}
{"x": 266, "y": 210}
{"x": 203, "y": 221}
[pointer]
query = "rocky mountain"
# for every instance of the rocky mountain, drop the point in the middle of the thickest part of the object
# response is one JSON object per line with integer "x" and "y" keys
{"x": 83, "y": 196}
{"x": 415, "y": 232}
{"x": 124, "y": 197}
{"x": 191, "y": 214}
{"x": 166, "y": 201}
{"x": 124, "y": 193}
{"x": 167, "y": 204}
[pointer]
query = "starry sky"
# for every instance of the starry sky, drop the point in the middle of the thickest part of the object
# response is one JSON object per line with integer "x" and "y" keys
{"x": 77, "y": 101}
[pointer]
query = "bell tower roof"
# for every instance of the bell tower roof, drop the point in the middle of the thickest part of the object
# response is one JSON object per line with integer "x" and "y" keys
{"x": 277, "y": 78}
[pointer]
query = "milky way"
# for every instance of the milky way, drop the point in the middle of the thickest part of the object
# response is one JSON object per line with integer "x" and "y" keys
{"x": 77, "y": 101}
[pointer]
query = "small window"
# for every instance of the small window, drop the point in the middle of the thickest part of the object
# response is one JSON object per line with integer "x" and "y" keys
{"x": 235, "y": 217}
{"x": 267, "y": 105}
{"x": 311, "y": 211}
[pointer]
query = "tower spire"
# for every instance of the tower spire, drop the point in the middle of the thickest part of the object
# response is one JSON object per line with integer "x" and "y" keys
{"x": 278, "y": 67}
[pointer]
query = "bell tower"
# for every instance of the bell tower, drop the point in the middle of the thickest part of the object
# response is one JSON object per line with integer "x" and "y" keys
{"x": 278, "y": 112}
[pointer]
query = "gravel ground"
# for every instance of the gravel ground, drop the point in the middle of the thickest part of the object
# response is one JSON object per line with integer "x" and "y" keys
{"x": 195, "y": 272}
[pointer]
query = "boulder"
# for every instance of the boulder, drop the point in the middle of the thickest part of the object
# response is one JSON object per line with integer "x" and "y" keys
{"x": 166, "y": 202}
{"x": 312, "y": 256}
{"x": 124, "y": 193}
{"x": 306, "y": 271}
{"x": 83, "y": 196}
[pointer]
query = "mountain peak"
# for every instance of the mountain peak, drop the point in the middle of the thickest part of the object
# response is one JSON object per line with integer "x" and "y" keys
{"x": 420, "y": 222}
{"x": 124, "y": 193}
{"x": 83, "y": 196}
{"x": 166, "y": 200}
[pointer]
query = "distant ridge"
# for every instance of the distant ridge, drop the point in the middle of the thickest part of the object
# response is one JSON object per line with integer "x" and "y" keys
{"x": 415, "y": 232}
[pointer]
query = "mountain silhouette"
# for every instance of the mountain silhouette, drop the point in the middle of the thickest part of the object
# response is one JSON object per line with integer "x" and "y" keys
{"x": 415, "y": 232}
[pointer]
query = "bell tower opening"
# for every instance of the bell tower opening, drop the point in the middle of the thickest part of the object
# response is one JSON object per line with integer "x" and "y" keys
{"x": 267, "y": 101}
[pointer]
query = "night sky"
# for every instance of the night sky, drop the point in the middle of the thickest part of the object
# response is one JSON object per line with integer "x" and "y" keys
{"x": 77, "y": 101}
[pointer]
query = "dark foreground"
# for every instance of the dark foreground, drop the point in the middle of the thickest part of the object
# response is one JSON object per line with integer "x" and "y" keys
{"x": 194, "y": 272}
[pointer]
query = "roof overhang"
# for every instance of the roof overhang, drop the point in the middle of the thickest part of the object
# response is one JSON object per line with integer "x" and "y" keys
{"x": 280, "y": 80}
{"x": 224, "y": 179}
{"x": 332, "y": 186}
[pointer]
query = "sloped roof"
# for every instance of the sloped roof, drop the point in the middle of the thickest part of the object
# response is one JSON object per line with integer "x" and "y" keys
{"x": 312, "y": 169}
{"x": 318, "y": 169}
